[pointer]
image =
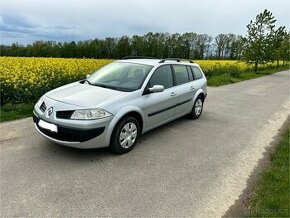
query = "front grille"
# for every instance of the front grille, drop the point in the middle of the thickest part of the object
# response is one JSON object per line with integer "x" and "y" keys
{"x": 42, "y": 107}
{"x": 64, "y": 114}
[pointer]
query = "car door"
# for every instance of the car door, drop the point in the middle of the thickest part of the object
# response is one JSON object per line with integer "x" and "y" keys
{"x": 198, "y": 82}
{"x": 185, "y": 89}
{"x": 160, "y": 106}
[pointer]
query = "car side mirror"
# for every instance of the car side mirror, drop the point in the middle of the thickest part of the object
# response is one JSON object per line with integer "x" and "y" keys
{"x": 156, "y": 88}
{"x": 87, "y": 76}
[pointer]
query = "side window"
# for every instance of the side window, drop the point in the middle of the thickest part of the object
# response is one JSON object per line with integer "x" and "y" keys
{"x": 162, "y": 76}
{"x": 189, "y": 73}
{"x": 196, "y": 72}
{"x": 181, "y": 74}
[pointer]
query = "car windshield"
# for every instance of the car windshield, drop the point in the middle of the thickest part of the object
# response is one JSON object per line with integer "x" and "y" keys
{"x": 120, "y": 76}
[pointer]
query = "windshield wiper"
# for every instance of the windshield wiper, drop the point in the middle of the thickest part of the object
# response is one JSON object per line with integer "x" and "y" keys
{"x": 85, "y": 80}
{"x": 111, "y": 87}
{"x": 88, "y": 82}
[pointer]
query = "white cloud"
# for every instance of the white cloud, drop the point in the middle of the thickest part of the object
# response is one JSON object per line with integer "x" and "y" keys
{"x": 86, "y": 19}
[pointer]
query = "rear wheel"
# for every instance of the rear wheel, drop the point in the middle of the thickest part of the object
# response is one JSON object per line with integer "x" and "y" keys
{"x": 197, "y": 108}
{"x": 125, "y": 135}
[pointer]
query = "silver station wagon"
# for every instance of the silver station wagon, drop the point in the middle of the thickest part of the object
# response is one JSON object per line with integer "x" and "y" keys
{"x": 119, "y": 102}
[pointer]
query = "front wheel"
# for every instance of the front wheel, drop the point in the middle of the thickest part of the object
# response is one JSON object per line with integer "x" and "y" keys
{"x": 197, "y": 108}
{"x": 125, "y": 135}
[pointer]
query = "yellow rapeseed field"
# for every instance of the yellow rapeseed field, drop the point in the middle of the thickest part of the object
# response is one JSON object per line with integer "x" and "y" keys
{"x": 210, "y": 64}
{"x": 26, "y": 79}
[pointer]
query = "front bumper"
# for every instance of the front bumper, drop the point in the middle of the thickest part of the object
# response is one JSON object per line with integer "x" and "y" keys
{"x": 76, "y": 138}
{"x": 72, "y": 133}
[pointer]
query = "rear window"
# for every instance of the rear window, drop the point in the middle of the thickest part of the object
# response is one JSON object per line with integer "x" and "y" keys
{"x": 181, "y": 74}
{"x": 196, "y": 73}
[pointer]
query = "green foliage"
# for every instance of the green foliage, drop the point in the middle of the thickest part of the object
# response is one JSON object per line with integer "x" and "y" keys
{"x": 281, "y": 45}
{"x": 226, "y": 77}
{"x": 13, "y": 112}
{"x": 285, "y": 48}
{"x": 271, "y": 197}
{"x": 263, "y": 43}
{"x": 188, "y": 45}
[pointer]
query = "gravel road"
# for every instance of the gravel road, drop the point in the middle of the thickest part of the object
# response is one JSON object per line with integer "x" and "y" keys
{"x": 185, "y": 168}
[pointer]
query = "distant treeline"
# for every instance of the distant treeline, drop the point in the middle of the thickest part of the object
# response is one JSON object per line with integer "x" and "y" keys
{"x": 187, "y": 45}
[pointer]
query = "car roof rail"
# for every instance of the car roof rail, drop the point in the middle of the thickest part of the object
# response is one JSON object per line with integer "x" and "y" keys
{"x": 174, "y": 59}
{"x": 138, "y": 57}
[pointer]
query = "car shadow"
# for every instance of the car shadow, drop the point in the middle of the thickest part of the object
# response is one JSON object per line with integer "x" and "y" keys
{"x": 99, "y": 154}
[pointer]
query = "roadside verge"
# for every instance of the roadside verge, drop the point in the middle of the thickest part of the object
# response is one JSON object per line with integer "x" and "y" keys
{"x": 267, "y": 191}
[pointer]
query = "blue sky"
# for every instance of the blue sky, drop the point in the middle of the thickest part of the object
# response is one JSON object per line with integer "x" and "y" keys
{"x": 25, "y": 21}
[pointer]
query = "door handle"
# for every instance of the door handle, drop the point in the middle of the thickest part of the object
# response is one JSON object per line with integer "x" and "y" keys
{"x": 192, "y": 88}
{"x": 172, "y": 93}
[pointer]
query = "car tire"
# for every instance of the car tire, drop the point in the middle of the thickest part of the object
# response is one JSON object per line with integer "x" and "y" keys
{"x": 197, "y": 108}
{"x": 125, "y": 135}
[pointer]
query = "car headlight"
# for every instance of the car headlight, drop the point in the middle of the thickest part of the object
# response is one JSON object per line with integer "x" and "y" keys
{"x": 90, "y": 114}
{"x": 39, "y": 103}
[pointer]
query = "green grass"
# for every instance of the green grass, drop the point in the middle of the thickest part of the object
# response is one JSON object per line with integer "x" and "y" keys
{"x": 271, "y": 195}
{"x": 13, "y": 112}
{"x": 228, "y": 78}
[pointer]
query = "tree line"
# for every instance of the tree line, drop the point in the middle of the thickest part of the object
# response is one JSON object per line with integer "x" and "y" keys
{"x": 161, "y": 45}
{"x": 263, "y": 43}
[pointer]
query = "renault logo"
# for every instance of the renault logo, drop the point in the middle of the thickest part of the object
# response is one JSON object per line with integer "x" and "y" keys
{"x": 49, "y": 112}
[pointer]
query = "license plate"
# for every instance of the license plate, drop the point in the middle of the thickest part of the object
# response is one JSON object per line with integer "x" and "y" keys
{"x": 49, "y": 126}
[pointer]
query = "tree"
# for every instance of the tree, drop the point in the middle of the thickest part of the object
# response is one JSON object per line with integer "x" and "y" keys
{"x": 278, "y": 38}
{"x": 236, "y": 48}
{"x": 285, "y": 48}
{"x": 221, "y": 41}
{"x": 123, "y": 47}
{"x": 138, "y": 45}
{"x": 202, "y": 45}
{"x": 258, "y": 39}
{"x": 263, "y": 43}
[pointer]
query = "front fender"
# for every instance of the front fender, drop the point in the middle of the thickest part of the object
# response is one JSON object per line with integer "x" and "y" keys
{"x": 118, "y": 117}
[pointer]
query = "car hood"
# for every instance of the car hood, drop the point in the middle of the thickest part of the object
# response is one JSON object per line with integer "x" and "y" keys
{"x": 84, "y": 95}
